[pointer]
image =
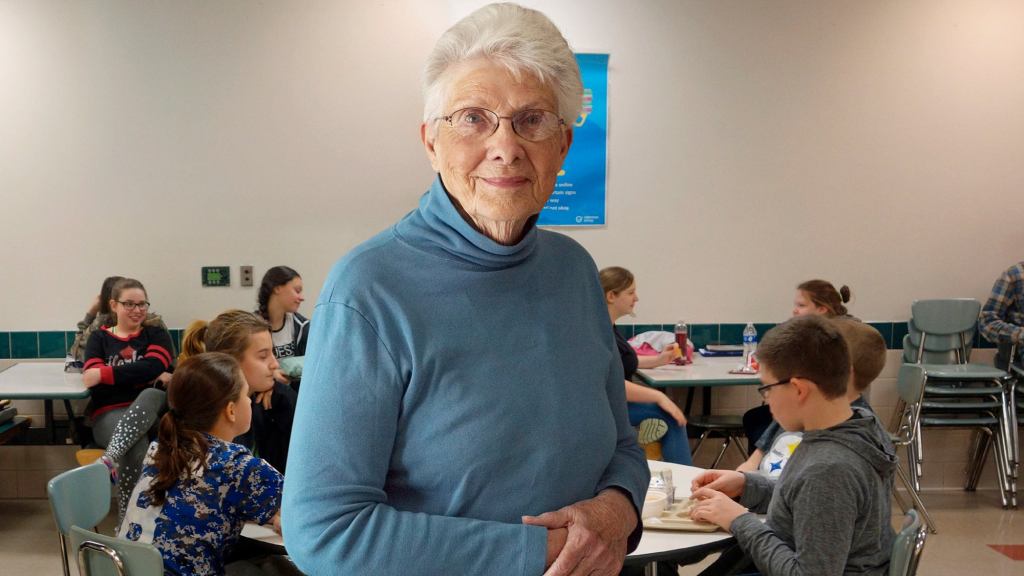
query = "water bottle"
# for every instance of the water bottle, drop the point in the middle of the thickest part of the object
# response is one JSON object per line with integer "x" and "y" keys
{"x": 682, "y": 335}
{"x": 749, "y": 343}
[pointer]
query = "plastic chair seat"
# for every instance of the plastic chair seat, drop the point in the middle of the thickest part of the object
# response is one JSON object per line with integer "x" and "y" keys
{"x": 963, "y": 389}
{"x": 954, "y": 421}
{"x": 971, "y": 371}
{"x": 974, "y": 405}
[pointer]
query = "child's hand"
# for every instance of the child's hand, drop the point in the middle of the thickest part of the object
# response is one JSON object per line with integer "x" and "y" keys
{"x": 728, "y": 482}
{"x": 280, "y": 376}
{"x": 163, "y": 380}
{"x": 264, "y": 398}
{"x": 668, "y": 354}
{"x": 275, "y": 523}
{"x": 715, "y": 507}
{"x": 666, "y": 404}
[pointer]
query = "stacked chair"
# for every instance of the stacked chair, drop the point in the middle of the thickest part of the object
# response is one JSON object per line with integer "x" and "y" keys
{"x": 962, "y": 394}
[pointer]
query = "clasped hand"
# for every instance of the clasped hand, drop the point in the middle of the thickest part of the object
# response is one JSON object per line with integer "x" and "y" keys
{"x": 588, "y": 537}
{"x": 713, "y": 492}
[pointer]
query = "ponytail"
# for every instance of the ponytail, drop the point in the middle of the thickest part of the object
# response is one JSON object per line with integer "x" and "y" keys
{"x": 194, "y": 340}
{"x": 177, "y": 450}
{"x": 202, "y": 386}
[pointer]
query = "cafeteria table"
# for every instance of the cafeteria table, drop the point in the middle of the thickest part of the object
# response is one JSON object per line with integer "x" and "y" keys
{"x": 44, "y": 381}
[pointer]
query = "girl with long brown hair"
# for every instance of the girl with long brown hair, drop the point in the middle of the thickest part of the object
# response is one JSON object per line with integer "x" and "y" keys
{"x": 246, "y": 337}
{"x": 197, "y": 488}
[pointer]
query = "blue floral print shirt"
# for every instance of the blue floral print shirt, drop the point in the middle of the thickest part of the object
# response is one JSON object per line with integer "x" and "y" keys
{"x": 203, "y": 514}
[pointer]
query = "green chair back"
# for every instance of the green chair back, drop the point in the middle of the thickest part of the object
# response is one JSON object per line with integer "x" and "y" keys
{"x": 79, "y": 497}
{"x": 946, "y": 316}
{"x": 100, "y": 555}
{"x": 906, "y": 549}
{"x": 910, "y": 383}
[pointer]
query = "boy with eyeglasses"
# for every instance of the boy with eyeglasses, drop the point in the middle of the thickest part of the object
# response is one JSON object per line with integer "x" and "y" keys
{"x": 867, "y": 359}
{"x": 829, "y": 511}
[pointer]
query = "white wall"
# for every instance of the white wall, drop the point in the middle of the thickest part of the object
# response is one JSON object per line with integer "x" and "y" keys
{"x": 752, "y": 145}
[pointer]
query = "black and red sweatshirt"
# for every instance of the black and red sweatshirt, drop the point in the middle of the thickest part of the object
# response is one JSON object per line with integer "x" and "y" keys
{"x": 128, "y": 364}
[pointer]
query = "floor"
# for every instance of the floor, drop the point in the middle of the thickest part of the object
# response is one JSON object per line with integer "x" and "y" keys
{"x": 970, "y": 524}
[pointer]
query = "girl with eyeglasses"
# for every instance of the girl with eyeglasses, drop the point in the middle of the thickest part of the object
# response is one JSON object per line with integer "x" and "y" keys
{"x": 123, "y": 362}
{"x": 98, "y": 315}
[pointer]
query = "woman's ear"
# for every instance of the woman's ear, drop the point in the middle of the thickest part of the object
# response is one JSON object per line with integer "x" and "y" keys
{"x": 229, "y": 412}
{"x": 609, "y": 296}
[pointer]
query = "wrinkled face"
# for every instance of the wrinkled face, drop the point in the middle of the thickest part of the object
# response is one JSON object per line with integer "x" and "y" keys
{"x": 501, "y": 177}
{"x": 129, "y": 314}
{"x": 802, "y": 305}
{"x": 290, "y": 295}
{"x": 258, "y": 362}
{"x": 622, "y": 303}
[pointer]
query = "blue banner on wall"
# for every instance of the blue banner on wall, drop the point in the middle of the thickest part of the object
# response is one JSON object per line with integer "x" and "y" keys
{"x": 578, "y": 199}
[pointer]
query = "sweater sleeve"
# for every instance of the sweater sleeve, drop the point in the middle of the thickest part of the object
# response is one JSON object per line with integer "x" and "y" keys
{"x": 628, "y": 470}
{"x": 824, "y": 509}
{"x": 336, "y": 516}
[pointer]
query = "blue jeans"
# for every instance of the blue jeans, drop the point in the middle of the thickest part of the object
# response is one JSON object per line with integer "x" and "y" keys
{"x": 675, "y": 447}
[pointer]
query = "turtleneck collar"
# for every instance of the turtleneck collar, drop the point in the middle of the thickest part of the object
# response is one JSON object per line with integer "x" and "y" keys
{"x": 437, "y": 227}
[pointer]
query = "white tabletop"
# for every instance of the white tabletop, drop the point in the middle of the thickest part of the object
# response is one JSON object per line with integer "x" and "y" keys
{"x": 652, "y": 542}
{"x": 41, "y": 381}
{"x": 667, "y": 541}
{"x": 712, "y": 371}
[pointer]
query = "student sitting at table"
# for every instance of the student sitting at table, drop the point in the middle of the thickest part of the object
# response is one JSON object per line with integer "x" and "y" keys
{"x": 279, "y": 299}
{"x": 813, "y": 297}
{"x": 867, "y": 357}
{"x": 197, "y": 488}
{"x": 829, "y": 511}
{"x": 98, "y": 315}
{"x": 644, "y": 403}
{"x": 122, "y": 362}
{"x": 246, "y": 337}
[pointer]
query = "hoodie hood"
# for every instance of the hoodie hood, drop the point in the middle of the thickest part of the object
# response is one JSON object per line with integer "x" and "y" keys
{"x": 865, "y": 436}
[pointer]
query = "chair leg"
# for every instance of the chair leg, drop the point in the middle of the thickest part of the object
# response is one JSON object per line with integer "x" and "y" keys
{"x": 725, "y": 446}
{"x": 918, "y": 504}
{"x": 999, "y": 455}
{"x": 739, "y": 448}
{"x": 918, "y": 457}
{"x": 982, "y": 445}
{"x": 700, "y": 441}
{"x": 64, "y": 555}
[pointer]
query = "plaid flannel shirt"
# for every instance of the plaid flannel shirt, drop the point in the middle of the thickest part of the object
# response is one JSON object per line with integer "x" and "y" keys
{"x": 1002, "y": 317}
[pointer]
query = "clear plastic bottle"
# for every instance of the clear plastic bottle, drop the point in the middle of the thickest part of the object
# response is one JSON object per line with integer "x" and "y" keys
{"x": 682, "y": 336}
{"x": 749, "y": 343}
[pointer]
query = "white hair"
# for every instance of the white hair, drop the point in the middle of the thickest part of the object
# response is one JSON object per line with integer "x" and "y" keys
{"x": 521, "y": 39}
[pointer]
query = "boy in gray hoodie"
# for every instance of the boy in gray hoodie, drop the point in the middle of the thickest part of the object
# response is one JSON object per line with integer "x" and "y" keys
{"x": 829, "y": 512}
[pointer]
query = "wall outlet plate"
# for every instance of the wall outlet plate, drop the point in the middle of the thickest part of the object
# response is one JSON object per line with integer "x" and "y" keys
{"x": 216, "y": 276}
{"x": 245, "y": 276}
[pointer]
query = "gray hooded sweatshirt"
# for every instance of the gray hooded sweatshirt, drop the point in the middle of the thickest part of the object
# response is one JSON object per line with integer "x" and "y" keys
{"x": 829, "y": 513}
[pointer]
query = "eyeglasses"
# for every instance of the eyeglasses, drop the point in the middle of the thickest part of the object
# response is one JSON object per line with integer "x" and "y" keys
{"x": 134, "y": 305}
{"x": 532, "y": 125}
{"x": 763, "y": 390}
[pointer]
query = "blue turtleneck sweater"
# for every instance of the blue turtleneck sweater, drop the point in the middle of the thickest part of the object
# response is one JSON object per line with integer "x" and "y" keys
{"x": 451, "y": 386}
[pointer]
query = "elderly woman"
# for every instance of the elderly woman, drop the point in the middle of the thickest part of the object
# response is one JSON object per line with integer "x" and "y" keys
{"x": 463, "y": 409}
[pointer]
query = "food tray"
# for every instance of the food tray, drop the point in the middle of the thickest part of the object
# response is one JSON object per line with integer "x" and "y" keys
{"x": 677, "y": 517}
